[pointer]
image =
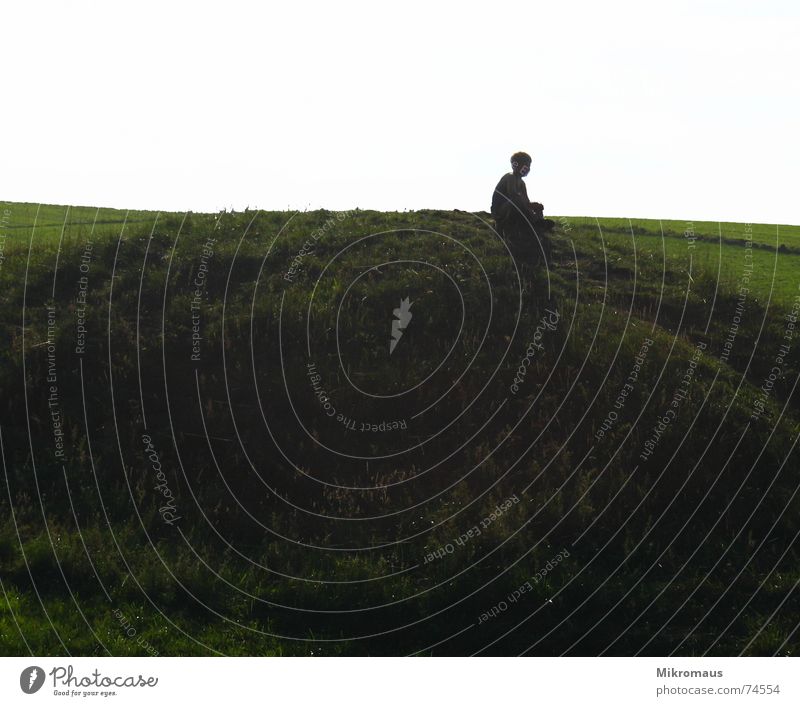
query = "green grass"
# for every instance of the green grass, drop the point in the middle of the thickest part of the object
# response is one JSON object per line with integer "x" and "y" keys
{"x": 661, "y": 539}
{"x": 774, "y": 274}
{"x": 765, "y": 234}
{"x": 49, "y": 224}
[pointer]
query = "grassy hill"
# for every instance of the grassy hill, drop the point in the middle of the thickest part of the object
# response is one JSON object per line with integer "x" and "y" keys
{"x": 209, "y": 447}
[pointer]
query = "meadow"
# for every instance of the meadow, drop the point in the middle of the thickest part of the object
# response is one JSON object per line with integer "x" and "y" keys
{"x": 209, "y": 448}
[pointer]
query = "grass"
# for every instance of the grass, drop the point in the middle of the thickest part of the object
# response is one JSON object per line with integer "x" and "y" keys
{"x": 298, "y": 534}
{"x": 75, "y": 222}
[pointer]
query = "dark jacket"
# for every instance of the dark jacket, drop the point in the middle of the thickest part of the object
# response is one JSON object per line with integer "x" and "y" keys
{"x": 510, "y": 190}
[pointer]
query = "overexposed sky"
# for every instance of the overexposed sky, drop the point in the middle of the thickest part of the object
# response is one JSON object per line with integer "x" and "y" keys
{"x": 641, "y": 109}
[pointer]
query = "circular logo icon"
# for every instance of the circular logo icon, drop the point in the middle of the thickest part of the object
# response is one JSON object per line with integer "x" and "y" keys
{"x": 31, "y": 679}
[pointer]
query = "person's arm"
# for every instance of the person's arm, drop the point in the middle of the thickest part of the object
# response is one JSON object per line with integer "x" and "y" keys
{"x": 524, "y": 203}
{"x": 533, "y": 206}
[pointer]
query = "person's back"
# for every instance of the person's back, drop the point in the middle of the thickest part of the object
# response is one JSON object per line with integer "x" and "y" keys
{"x": 510, "y": 193}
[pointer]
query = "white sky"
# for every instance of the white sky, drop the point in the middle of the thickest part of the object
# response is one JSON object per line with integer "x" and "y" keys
{"x": 649, "y": 109}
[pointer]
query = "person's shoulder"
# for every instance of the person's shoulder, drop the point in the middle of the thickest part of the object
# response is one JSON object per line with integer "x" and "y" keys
{"x": 505, "y": 179}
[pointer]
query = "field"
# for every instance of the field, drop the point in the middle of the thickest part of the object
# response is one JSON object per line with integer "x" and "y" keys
{"x": 209, "y": 446}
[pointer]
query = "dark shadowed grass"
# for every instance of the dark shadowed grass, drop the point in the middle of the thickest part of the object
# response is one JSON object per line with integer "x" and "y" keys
{"x": 254, "y": 565}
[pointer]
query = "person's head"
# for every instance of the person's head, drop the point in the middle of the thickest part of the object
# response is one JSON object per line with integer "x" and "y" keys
{"x": 521, "y": 163}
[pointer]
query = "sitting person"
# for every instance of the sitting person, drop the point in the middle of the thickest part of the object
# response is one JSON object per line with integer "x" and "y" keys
{"x": 518, "y": 220}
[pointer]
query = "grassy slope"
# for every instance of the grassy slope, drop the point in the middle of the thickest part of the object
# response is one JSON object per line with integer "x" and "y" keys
{"x": 663, "y": 538}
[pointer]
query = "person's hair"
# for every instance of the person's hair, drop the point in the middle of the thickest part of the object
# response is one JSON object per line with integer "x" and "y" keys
{"x": 520, "y": 158}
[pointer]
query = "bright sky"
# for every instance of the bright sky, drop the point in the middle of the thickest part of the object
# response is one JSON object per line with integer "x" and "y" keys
{"x": 641, "y": 109}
